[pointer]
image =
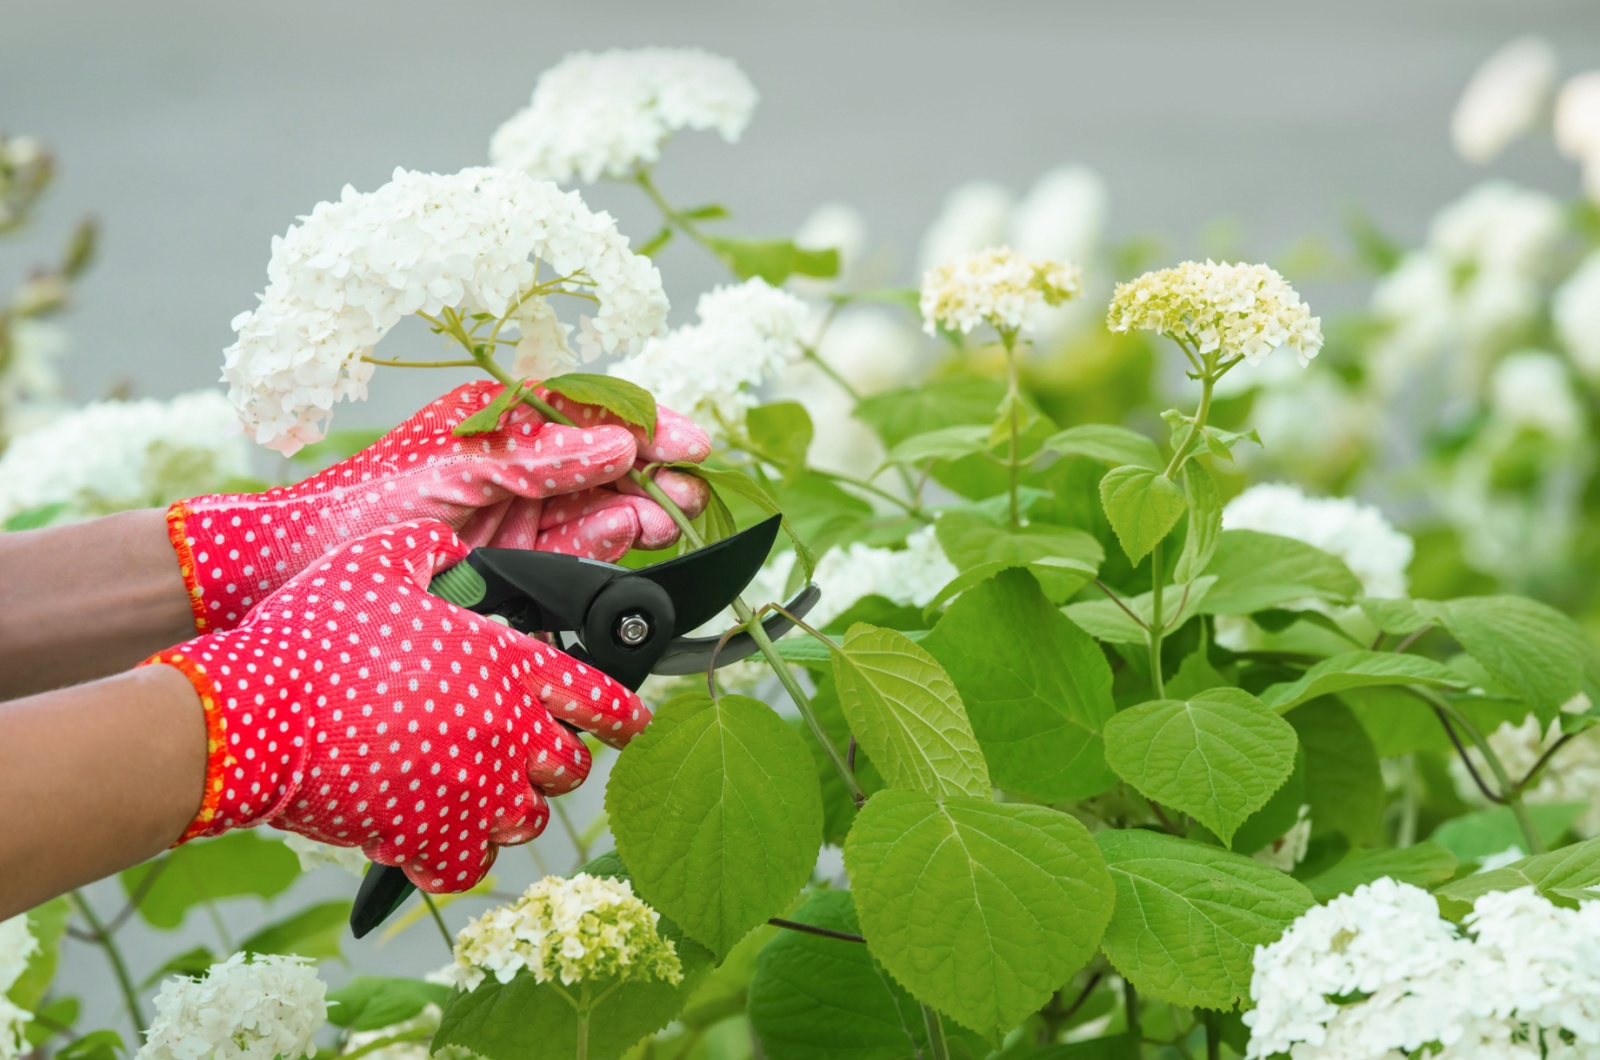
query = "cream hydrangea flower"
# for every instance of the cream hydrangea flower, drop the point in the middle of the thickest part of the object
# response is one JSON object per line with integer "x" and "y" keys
{"x": 1236, "y": 310}
{"x": 595, "y": 115}
{"x": 1504, "y": 98}
{"x": 112, "y": 455}
{"x": 244, "y": 1008}
{"x": 587, "y": 927}
{"x": 747, "y": 334}
{"x": 997, "y": 286}
{"x": 17, "y": 946}
{"x": 474, "y": 241}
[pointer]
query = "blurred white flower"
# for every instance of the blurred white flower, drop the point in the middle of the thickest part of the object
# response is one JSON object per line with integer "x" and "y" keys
{"x": 1577, "y": 126}
{"x": 473, "y": 241}
{"x": 604, "y": 114}
{"x": 998, "y": 287}
{"x": 911, "y": 576}
{"x": 17, "y": 945}
{"x": 29, "y": 375}
{"x": 421, "y": 1049}
{"x": 314, "y": 855}
{"x": 974, "y": 217}
{"x": 1312, "y": 425}
{"x": 1532, "y": 390}
{"x": 112, "y": 455}
{"x": 1063, "y": 216}
{"x": 746, "y": 335}
{"x": 1242, "y": 310}
{"x": 1576, "y": 312}
{"x": 1572, "y": 775}
{"x": 588, "y": 927}
{"x": 1504, "y": 98}
{"x": 1289, "y": 849}
{"x": 542, "y": 349}
{"x": 244, "y": 1008}
{"x": 1376, "y": 553}
{"x": 1498, "y": 226}
{"x": 1509, "y": 856}
{"x": 833, "y": 226}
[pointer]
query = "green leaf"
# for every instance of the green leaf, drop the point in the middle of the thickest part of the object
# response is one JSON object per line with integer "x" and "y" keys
{"x": 1397, "y": 722}
{"x": 1475, "y": 836}
{"x": 1344, "y": 785}
{"x": 822, "y": 513}
{"x": 1142, "y": 505}
{"x": 808, "y": 651}
{"x": 337, "y": 445}
{"x": 898, "y": 414}
{"x": 233, "y": 864}
{"x": 1188, "y": 917}
{"x": 721, "y": 791}
{"x": 192, "y": 963}
{"x": 1105, "y": 620}
{"x": 1397, "y": 616}
{"x": 1103, "y": 441}
{"x": 970, "y": 541}
{"x": 838, "y": 806}
{"x": 96, "y": 1045}
{"x": 48, "y": 925}
{"x": 653, "y": 246}
{"x": 487, "y": 418}
{"x": 34, "y": 518}
{"x": 1359, "y": 669}
{"x": 1218, "y": 756}
{"x": 946, "y": 443}
{"x": 1426, "y": 864}
{"x": 1205, "y": 522}
{"x": 741, "y": 485}
{"x": 1047, "y": 569}
{"x": 313, "y": 932}
{"x": 627, "y": 401}
{"x": 372, "y": 1002}
{"x": 1528, "y": 647}
{"x": 904, "y": 710}
{"x": 1566, "y": 877}
{"x": 1036, "y": 687}
{"x": 774, "y": 260}
{"x": 525, "y": 1020}
{"x": 711, "y": 211}
{"x": 800, "y": 977}
{"x": 979, "y": 909}
{"x": 781, "y": 430}
{"x": 723, "y": 993}
{"x": 1257, "y": 571}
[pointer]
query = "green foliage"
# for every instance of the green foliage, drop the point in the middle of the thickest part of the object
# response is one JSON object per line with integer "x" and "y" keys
{"x": 1344, "y": 786}
{"x": 1425, "y": 864}
{"x": 783, "y": 431}
{"x": 746, "y": 488}
{"x": 1478, "y": 835}
{"x": 1218, "y": 756}
{"x": 1530, "y": 648}
{"x": 946, "y": 443}
{"x": 627, "y": 401}
{"x": 960, "y": 400}
{"x": 979, "y": 909}
{"x": 1143, "y": 506}
{"x": 717, "y": 790}
{"x": 1111, "y": 444}
{"x": 48, "y": 925}
{"x": 1110, "y": 621}
{"x": 1359, "y": 669}
{"x": 1061, "y": 557}
{"x": 1205, "y": 522}
{"x": 34, "y": 518}
{"x": 371, "y": 1002}
{"x": 1188, "y": 917}
{"x": 238, "y": 863}
{"x": 774, "y": 260}
{"x": 488, "y": 418}
{"x": 1566, "y": 877}
{"x": 337, "y": 446}
{"x": 906, "y": 712}
{"x": 313, "y": 932}
{"x": 1255, "y": 571}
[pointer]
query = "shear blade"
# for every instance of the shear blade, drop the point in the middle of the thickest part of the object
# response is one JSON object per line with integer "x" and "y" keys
{"x": 707, "y": 580}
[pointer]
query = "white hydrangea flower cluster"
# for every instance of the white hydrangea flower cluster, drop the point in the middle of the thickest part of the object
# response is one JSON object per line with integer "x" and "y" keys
{"x": 1062, "y": 218}
{"x": 911, "y": 576}
{"x": 1575, "y": 310}
{"x": 1379, "y": 973}
{"x": 244, "y": 1008}
{"x": 112, "y": 455}
{"x": 1532, "y": 390}
{"x": 315, "y": 855}
{"x": 587, "y": 927}
{"x": 747, "y": 334}
{"x": 595, "y": 115}
{"x": 998, "y": 286}
{"x": 1572, "y": 776}
{"x": 1577, "y": 126}
{"x": 1289, "y": 849}
{"x": 1357, "y": 533}
{"x": 17, "y": 946}
{"x": 1504, "y": 98}
{"x": 1242, "y": 310}
{"x": 474, "y": 241}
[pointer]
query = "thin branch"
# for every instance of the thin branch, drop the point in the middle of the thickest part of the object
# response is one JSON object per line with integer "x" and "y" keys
{"x": 1110, "y": 592}
{"x": 1466, "y": 759}
{"x": 1083, "y": 996}
{"x": 812, "y": 929}
{"x": 420, "y": 364}
{"x": 1412, "y": 639}
{"x": 1544, "y": 760}
{"x": 138, "y": 895}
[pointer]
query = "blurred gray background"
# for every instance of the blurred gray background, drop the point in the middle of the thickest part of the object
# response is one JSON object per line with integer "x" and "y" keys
{"x": 197, "y": 131}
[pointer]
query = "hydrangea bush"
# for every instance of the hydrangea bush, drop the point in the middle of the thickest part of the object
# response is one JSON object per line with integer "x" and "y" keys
{"x": 1118, "y": 732}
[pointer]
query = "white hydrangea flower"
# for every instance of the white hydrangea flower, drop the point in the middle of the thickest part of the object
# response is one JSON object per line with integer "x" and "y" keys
{"x": 1314, "y": 426}
{"x": 315, "y": 855}
{"x": 974, "y": 216}
{"x": 835, "y": 226}
{"x": 427, "y": 1020}
{"x": 604, "y": 114}
{"x": 998, "y": 287}
{"x": 1573, "y": 775}
{"x": 17, "y": 946}
{"x": 244, "y": 1008}
{"x": 1242, "y": 310}
{"x": 474, "y": 241}
{"x": 1063, "y": 216}
{"x": 1504, "y": 98}
{"x": 1357, "y": 533}
{"x": 588, "y": 927}
{"x": 1289, "y": 849}
{"x": 1509, "y": 856}
{"x": 747, "y": 334}
{"x": 1577, "y": 126}
{"x": 113, "y": 455}
{"x": 1576, "y": 312}
{"x": 1532, "y": 390}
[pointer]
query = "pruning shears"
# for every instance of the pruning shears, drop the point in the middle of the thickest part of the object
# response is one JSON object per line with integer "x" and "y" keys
{"x": 624, "y": 622}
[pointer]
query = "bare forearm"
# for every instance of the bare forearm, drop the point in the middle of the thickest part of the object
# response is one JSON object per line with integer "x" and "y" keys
{"x": 94, "y": 779}
{"x": 86, "y": 601}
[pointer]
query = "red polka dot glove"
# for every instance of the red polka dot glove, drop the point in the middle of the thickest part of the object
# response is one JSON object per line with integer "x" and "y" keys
{"x": 352, "y": 707}
{"x": 492, "y": 489}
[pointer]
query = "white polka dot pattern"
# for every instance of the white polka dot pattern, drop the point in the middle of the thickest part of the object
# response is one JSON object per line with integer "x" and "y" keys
{"x": 353, "y": 708}
{"x": 493, "y": 489}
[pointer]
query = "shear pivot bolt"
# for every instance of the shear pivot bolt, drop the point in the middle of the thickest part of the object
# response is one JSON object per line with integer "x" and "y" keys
{"x": 632, "y": 630}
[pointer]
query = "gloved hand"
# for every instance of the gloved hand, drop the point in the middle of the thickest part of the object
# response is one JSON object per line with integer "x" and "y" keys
{"x": 353, "y": 708}
{"x": 492, "y": 489}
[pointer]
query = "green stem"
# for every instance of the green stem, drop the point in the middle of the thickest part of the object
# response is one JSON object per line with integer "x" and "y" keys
{"x": 463, "y": 363}
{"x": 582, "y": 1052}
{"x": 810, "y": 354}
{"x": 438, "y": 918}
{"x": 1130, "y": 1008}
{"x": 1158, "y": 575}
{"x": 1008, "y": 338}
{"x": 937, "y": 1049}
{"x": 130, "y": 996}
{"x": 1508, "y": 788}
{"x": 578, "y": 845}
{"x": 672, "y": 216}
{"x": 1213, "y": 1034}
